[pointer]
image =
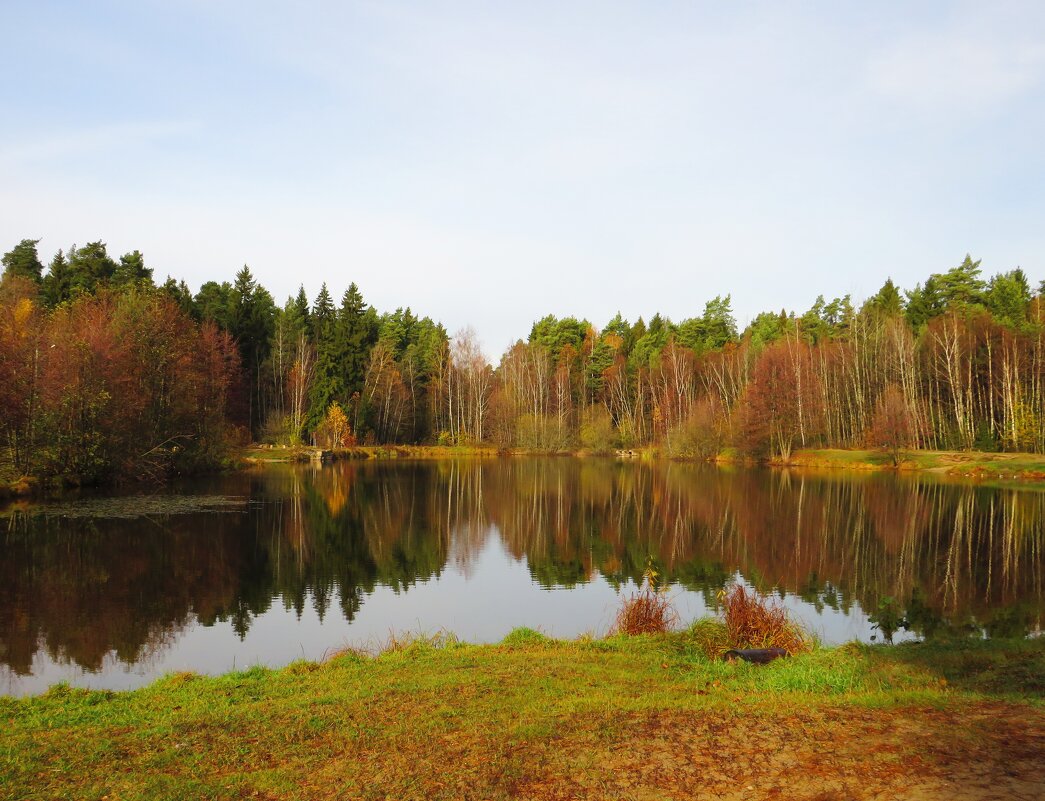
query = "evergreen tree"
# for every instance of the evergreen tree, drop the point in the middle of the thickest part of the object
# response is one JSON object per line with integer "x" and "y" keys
{"x": 57, "y": 285}
{"x": 600, "y": 359}
{"x": 1008, "y": 297}
{"x": 888, "y": 299}
{"x": 690, "y": 334}
{"x": 215, "y": 303}
{"x": 132, "y": 270}
{"x": 23, "y": 261}
{"x": 90, "y": 267}
{"x": 251, "y": 326}
{"x": 767, "y": 327}
{"x": 719, "y": 326}
{"x": 651, "y": 343}
{"x": 327, "y": 385}
{"x": 357, "y": 330}
{"x": 555, "y": 334}
{"x": 179, "y": 290}
{"x": 924, "y": 303}
{"x": 301, "y": 310}
{"x": 962, "y": 286}
{"x": 619, "y": 328}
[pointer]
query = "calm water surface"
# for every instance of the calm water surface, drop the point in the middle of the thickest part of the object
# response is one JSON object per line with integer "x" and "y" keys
{"x": 291, "y": 561}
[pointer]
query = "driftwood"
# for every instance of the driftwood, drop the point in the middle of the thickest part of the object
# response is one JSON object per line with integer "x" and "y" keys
{"x": 760, "y": 656}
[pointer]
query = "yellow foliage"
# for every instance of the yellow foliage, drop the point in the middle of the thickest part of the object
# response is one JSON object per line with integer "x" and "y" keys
{"x": 337, "y": 424}
{"x": 23, "y": 311}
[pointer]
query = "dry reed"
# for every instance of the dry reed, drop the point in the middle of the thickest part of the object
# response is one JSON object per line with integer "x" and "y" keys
{"x": 755, "y": 621}
{"x": 648, "y": 611}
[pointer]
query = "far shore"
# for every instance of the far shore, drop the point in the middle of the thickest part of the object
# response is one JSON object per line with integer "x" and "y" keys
{"x": 994, "y": 469}
{"x": 976, "y": 465}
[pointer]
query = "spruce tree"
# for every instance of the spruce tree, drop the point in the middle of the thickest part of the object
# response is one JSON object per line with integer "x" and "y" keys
{"x": 327, "y": 386}
{"x": 357, "y": 331}
{"x": 57, "y": 284}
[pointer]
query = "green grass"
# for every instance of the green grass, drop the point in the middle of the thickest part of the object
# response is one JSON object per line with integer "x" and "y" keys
{"x": 995, "y": 468}
{"x": 434, "y": 717}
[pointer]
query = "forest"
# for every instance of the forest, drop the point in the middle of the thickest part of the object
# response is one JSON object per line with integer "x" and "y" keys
{"x": 107, "y": 374}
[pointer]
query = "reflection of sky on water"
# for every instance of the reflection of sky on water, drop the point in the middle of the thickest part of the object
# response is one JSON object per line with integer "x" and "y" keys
{"x": 480, "y": 600}
{"x": 93, "y": 596}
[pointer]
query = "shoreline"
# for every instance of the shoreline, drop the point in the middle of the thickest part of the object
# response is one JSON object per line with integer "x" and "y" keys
{"x": 979, "y": 467}
{"x": 974, "y": 465}
{"x": 541, "y": 718}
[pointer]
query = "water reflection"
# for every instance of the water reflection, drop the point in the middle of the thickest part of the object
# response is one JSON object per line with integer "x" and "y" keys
{"x": 309, "y": 545}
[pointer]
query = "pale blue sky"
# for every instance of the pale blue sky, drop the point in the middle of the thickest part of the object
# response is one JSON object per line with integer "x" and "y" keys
{"x": 489, "y": 163}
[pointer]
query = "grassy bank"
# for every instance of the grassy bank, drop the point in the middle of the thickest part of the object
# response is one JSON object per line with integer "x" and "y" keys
{"x": 646, "y": 717}
{"x": 965, "y": 464}
{"x": 279, "y": 453}
{"x": 959, "y": 464}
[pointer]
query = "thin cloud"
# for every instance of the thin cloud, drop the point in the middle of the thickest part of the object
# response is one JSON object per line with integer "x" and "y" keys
{"x": 85, "y": 141}
{"x": 968, "y": 67}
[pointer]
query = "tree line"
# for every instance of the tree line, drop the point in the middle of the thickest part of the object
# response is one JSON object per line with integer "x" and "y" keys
{"x": 105, "y": 372}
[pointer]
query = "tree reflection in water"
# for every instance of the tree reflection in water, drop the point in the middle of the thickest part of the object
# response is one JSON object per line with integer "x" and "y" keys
{"x": 911, "y": 551}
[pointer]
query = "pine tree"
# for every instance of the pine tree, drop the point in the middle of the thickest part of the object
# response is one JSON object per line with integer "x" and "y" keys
{"x": 132, "y": 270}
{"x": 23, "y": 261}
{"x": 90, "y": 267}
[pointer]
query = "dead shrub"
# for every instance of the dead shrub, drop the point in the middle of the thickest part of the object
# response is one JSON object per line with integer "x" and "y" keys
{"x": 648, "y": 611}
{"x": 755, "y": 621}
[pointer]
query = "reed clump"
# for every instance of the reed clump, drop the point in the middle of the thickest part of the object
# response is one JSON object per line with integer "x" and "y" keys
{"x": 647, "y": 611}
{"x": 756, "y": 621}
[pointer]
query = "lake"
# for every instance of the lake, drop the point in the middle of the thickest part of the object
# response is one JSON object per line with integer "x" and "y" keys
{"x": 284, "y": 562}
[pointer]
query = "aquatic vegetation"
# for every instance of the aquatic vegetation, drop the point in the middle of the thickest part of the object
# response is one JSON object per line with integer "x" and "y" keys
{"x": 749, "y": 620}
{"x": 133, "y": 506}
{"x": 647, "y": 611}
{"x": 755, "y": 621}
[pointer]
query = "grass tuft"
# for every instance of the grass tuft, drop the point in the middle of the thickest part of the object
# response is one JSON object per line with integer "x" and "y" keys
{"x": 523, "y": 637}
{"x": 711, "y": 636}
{"x": 415, "y": 643}
{"x": 648, "y": 611}
{"x": 755, "y": 621}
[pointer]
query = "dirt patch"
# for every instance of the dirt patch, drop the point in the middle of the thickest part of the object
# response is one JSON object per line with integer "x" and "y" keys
{"x": 988, "y": 752}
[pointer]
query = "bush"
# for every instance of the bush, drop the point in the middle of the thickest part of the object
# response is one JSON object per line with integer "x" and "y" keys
{"x": 597, "y": 433}
{"x": 648, "y": 611}
{"x": 755, "y": 621}
{"x": 699, "y": 436}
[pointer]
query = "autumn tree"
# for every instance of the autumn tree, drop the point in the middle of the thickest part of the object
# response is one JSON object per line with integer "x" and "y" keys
{"x": 771, "y": 404}
{"x": 892, "y": 429}
{"x": 20, "y": 323}
{"x": 335, "y": 431}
